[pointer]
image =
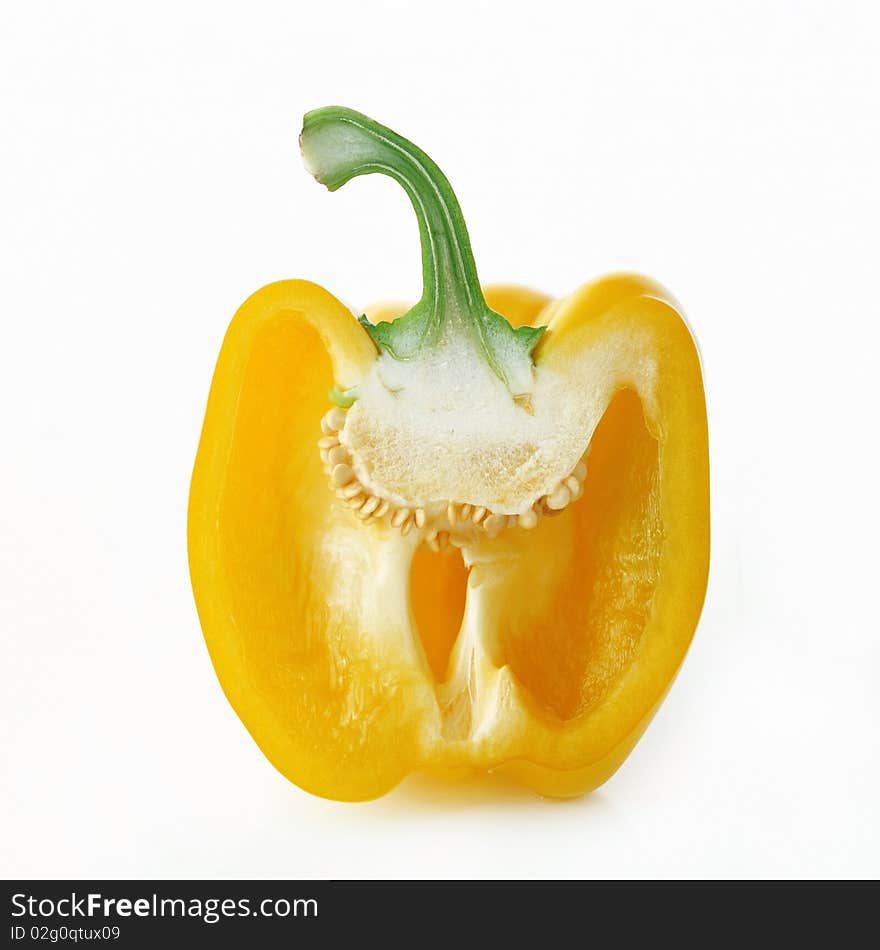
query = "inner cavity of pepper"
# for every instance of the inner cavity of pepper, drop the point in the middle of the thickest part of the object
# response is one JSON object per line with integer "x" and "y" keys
{"x": 590, "y": 575}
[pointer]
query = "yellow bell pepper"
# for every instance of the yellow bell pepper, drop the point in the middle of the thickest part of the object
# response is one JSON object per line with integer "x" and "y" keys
{"x": 490, "y": 554}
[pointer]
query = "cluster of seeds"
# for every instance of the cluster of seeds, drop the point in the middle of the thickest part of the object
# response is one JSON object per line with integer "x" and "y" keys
{"x": 366, "y": 506}
{"x": 454, "y": 527}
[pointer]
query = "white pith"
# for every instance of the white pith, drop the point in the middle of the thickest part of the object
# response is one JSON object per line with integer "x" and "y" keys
{"x": 439, "y": 445}
{"x": 480, "y": 497}
{"x": 443, "y": 523}
{"x": 445, "y": 427}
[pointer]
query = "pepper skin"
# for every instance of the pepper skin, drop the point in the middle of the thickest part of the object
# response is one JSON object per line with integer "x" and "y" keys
{"x": 355, "y": 655}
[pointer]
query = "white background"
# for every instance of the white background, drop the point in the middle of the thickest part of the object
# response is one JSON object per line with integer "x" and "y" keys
{"x": 150, "y": 181}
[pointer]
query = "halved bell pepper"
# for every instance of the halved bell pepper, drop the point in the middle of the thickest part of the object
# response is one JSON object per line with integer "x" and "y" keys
{"x": 447, "y": 539}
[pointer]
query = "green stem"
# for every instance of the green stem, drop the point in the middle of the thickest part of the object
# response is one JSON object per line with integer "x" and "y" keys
{"x": 339, "y": 144}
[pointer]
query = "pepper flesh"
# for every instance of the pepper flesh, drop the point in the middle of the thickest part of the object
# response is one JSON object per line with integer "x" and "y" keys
{"x": 355, "y": 656}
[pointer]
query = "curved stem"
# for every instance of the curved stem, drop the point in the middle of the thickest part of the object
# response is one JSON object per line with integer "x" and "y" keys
{"x": 339, "y": 144}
